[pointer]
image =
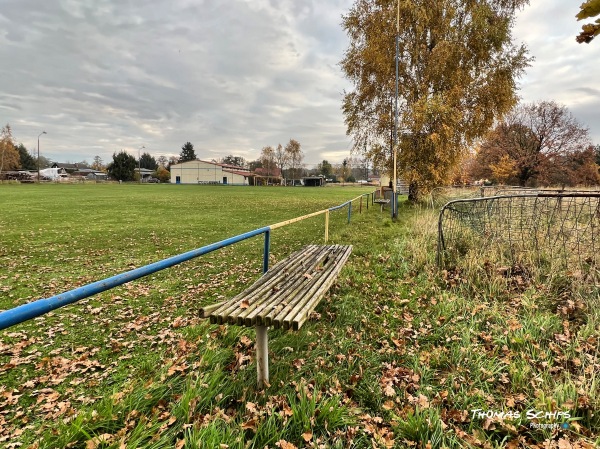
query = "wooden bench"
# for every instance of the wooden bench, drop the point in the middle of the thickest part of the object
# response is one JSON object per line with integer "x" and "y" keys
{"x": 284, "y": 297}
{"x": 382, "y": 202}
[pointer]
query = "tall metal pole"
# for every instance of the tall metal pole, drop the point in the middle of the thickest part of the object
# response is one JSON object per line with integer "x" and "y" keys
{"x": 38, "y": 161}
{"x": 395, "y": 185}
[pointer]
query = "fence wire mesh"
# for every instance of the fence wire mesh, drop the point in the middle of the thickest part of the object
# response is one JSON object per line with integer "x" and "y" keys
{"x": 442, "y": 195}
{"x": 539, "y": 228}
{"x": 439, "y": 196}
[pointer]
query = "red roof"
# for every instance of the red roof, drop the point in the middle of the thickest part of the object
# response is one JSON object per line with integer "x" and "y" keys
{"x": 238, "y": 172}
{"x": 274, "y": 172}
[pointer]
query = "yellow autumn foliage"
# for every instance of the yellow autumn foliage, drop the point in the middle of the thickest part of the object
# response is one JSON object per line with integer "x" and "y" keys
{"x": 9, "y": 156}
{"x": 457, "y": 71}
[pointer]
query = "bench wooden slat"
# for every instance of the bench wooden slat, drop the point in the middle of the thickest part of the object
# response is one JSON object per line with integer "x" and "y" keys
{"x": 303, "y": 283}
{"x": 269, "y": 279}
{"x": 299, "y": 315}
{"x": 285, "y": 295}
{"x": 307, "y": 299}
{"x": 269, "y": 298}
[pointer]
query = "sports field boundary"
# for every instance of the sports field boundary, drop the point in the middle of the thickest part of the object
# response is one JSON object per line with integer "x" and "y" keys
{"x": 42, "y": 306}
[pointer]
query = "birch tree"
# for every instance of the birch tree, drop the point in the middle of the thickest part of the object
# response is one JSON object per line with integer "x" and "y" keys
{"x": 457, "y": 71}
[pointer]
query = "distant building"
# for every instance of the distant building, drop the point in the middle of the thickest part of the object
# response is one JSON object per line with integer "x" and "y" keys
{"x": 313, "y": 181}
{"x": 204, "y": 172}
{"x": 53, "y": 174}
{"x": 146, "y": 173}
{"x": 68, "y": 167}
{"x": 90, "y": 173}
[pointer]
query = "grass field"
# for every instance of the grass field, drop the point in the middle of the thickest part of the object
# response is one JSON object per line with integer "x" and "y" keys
{"x": 397, "y": 355}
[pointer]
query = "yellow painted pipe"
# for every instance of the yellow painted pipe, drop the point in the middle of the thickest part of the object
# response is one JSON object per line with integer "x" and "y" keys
{"x": 326, "y": 225}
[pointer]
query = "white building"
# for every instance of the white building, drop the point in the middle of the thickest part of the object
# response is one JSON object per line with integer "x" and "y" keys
{"x": 54, "y": 174}
{"x": 204, "y": 172}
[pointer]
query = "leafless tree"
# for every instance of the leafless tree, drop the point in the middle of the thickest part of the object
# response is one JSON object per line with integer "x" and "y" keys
{"x": 281, "y": 158}
{"x": 267, "y": 157}
{"x": 295, "y": 157}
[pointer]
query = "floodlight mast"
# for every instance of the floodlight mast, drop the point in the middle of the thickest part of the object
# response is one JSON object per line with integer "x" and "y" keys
{"x": 38, "y": 158}
{"x": 395, "y": 143}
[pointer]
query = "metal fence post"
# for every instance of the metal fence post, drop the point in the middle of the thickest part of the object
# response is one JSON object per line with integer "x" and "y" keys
{"x": 262, "y": 338}
{"x": 326, "y": 225}
{"x": 262, "y": 356}
{"x": 349, "y": 211}
{"x": 266, "y": 251}
{"x": 440, "y": 242}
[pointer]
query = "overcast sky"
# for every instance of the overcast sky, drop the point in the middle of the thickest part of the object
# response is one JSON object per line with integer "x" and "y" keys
{"x": 230, "y": 76}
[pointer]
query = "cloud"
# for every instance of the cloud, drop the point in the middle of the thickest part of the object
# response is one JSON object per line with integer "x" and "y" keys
{"x": 230, "y": 76}
{"x": 562, "y": 70}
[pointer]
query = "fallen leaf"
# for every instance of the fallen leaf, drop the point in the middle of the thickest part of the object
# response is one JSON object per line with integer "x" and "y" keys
{"x": 389, "y": 391}
{"x": 175, "y": 368}
{"x": 388, "y": 405}
{"x": 285, "y": 445}
{"x": 422, "y": 401}
{"x": 250, "y": 425}
{"x": 96, "y": 441}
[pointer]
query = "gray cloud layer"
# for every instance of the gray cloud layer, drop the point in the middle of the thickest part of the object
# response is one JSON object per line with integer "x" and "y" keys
{"x": 229, "y": 76}
{"x": 563, "y": 70}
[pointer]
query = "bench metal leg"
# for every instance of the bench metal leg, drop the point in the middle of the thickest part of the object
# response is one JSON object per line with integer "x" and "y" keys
{"x": 262, "y": 355}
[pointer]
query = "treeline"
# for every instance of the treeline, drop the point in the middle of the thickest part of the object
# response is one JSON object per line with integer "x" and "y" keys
{"x": 536, "y": 144}
{"x": 288, "y": 161}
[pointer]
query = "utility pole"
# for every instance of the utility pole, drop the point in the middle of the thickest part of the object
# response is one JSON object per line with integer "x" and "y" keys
{"x": 395, "y": 185}
{"x": 38, "y": 161}
{"x": 140, "y": 162}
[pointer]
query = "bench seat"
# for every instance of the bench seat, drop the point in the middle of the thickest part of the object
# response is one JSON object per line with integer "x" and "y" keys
{"x": 285, "y": 296}
{"x": 382, "y": 202}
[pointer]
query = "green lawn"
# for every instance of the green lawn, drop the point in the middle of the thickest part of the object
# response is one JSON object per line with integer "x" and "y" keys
{"x": 397, "y": 355}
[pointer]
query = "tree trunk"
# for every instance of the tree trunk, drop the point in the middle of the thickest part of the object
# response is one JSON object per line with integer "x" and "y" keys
{"x": 413, "y": 192}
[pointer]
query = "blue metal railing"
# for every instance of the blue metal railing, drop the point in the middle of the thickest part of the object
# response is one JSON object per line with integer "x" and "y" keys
{"x": 347, "y": 203}
{"x": 40, "y": 307}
